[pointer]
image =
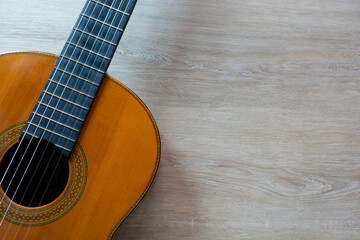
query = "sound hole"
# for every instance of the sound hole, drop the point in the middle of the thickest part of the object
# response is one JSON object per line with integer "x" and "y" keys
{"x": 35, "y": 174}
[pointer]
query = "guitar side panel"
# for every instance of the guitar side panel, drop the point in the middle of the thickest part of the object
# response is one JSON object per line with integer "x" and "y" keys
{"x": 119, "y": 138}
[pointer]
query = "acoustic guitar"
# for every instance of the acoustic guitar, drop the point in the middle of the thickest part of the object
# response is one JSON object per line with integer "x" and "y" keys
{"x": 78, "y": 150}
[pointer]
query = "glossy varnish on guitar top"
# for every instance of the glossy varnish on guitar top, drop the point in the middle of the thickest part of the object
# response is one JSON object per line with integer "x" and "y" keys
{"x": 119, "y": 139}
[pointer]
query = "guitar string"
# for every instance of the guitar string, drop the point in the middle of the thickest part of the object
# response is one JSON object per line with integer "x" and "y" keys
{"x": 23, "y": 155}
{"x": 51, "y": 157}
{"x": 65, "y": 122}
{"x": 74, "y": 49}
{"x": 47, "y": 144}
{"x": 21, "y": 140}
{"x": 102, "y": 60}
{"x": 15, "y": 153}
{"x": 102, "y": 43}
{"x": 71, "y": 93}
{"x": 85, "y": 62}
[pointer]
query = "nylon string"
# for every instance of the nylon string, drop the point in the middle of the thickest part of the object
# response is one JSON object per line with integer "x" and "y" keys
{"x": 82, "y": 69}
{"x": 46, "y": 91}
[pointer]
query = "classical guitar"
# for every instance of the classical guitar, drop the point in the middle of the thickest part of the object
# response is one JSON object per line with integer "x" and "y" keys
{"x": 78, "y": 150}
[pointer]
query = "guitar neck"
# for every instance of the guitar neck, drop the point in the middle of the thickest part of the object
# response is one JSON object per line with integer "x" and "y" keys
{"x": 67, "y": 96}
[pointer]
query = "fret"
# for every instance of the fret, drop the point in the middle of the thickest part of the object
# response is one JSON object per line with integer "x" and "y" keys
{"x": 88, "y": 50}
{"x": 100, "y": 30}
{"x": 66, "y": 100}
{"x": 61, "y": 105}
{"x": 34, "y": 136}
{"x": 110, "y": 7}
{"x": 71, "y": 89}
{"x": 39, "y": 129}
{"x": 79, "y": 70}
{"x": 56, "y": 116}
{"x": 91, "y": 35}
{"x": 63, "y": 112}
{"x": 60, "y": 78}
{"x": 80, "y": 78}
{"x": 83, "y": 64}
{"x": 102, "y": 22}
{"x": 56, "y": 122}
{"x": 95, "y": 43}
{"x": 64, "y": 103}
{"x": 55, "y": 138}
{"x": 63, "y": 148}
{"x": 62, "y": 93}
{"x": 52, "y": 132}
{"x": 29, "y": 134}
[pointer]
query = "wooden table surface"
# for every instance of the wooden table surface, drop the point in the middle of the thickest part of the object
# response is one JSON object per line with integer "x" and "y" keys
{"x": 257, "y": 103}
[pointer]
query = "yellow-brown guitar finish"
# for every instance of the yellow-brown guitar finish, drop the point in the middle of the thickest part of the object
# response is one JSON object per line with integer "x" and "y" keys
{"x": 119, "y": 138}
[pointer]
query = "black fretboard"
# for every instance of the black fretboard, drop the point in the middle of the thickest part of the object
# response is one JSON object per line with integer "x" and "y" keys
{"x": 68, "y": 94}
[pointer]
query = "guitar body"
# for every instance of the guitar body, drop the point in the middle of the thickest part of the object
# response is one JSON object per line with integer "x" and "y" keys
{"x": 111, "y": 167}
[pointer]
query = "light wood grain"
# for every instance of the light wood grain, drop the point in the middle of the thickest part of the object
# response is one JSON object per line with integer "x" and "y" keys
{"x": 258, "y": 107}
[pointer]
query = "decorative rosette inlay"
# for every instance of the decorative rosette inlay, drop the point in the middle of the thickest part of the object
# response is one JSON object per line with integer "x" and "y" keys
{"x": 33, "y": 217}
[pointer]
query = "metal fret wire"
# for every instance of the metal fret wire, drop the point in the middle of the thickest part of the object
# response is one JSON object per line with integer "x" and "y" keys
{"x": 102, "y": 60}
{"x": 53, "y": 111}
{"x": 56, "y": 102}
{"x": 54, "y": 127}
{"x": 102, "y": 43}
{"x": 100, "y": 49}
{"x": 10, "y": 183}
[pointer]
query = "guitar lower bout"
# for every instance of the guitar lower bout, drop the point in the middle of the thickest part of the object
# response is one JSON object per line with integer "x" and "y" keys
{"x": 110, "y": 169}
